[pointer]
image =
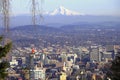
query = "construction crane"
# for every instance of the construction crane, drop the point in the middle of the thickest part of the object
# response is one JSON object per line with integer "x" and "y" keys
{"x": 37, "y": 9}
{"x": 5, "y": 10}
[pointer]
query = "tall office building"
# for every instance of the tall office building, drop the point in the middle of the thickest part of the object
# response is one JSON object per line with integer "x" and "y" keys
{"x": 31, "y": 65}
{"x": 95, "y": 55}
{"x": 36, "y": 73}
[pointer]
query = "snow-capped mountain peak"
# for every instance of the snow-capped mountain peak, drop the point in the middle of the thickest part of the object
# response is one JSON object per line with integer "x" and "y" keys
{"x": 63, "y": 11}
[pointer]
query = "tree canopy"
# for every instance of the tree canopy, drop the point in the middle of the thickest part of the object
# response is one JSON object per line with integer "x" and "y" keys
{"x": 114, "y": 73}
{"x": 4, "y": 64}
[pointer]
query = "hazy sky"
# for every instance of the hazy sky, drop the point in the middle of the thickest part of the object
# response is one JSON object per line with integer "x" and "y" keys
{"x": 90, "y": 7}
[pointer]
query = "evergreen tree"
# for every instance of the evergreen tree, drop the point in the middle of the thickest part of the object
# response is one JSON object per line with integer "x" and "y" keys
{"x": 4, "y": 64}
{"x": 114, "y": 73}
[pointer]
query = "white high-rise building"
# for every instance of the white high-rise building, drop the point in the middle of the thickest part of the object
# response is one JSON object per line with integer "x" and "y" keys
{"x": 38, "y": 73}
{"x": 95, "y": 55}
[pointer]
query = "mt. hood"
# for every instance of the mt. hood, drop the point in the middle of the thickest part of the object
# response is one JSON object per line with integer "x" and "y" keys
{"x": 63, "y": 11}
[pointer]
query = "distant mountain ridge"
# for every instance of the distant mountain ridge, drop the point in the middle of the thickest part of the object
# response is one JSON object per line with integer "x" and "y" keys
{"x": 76, "y": 34}
{"x": 60, "y": 17}
{"x": 103, "y": 25}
